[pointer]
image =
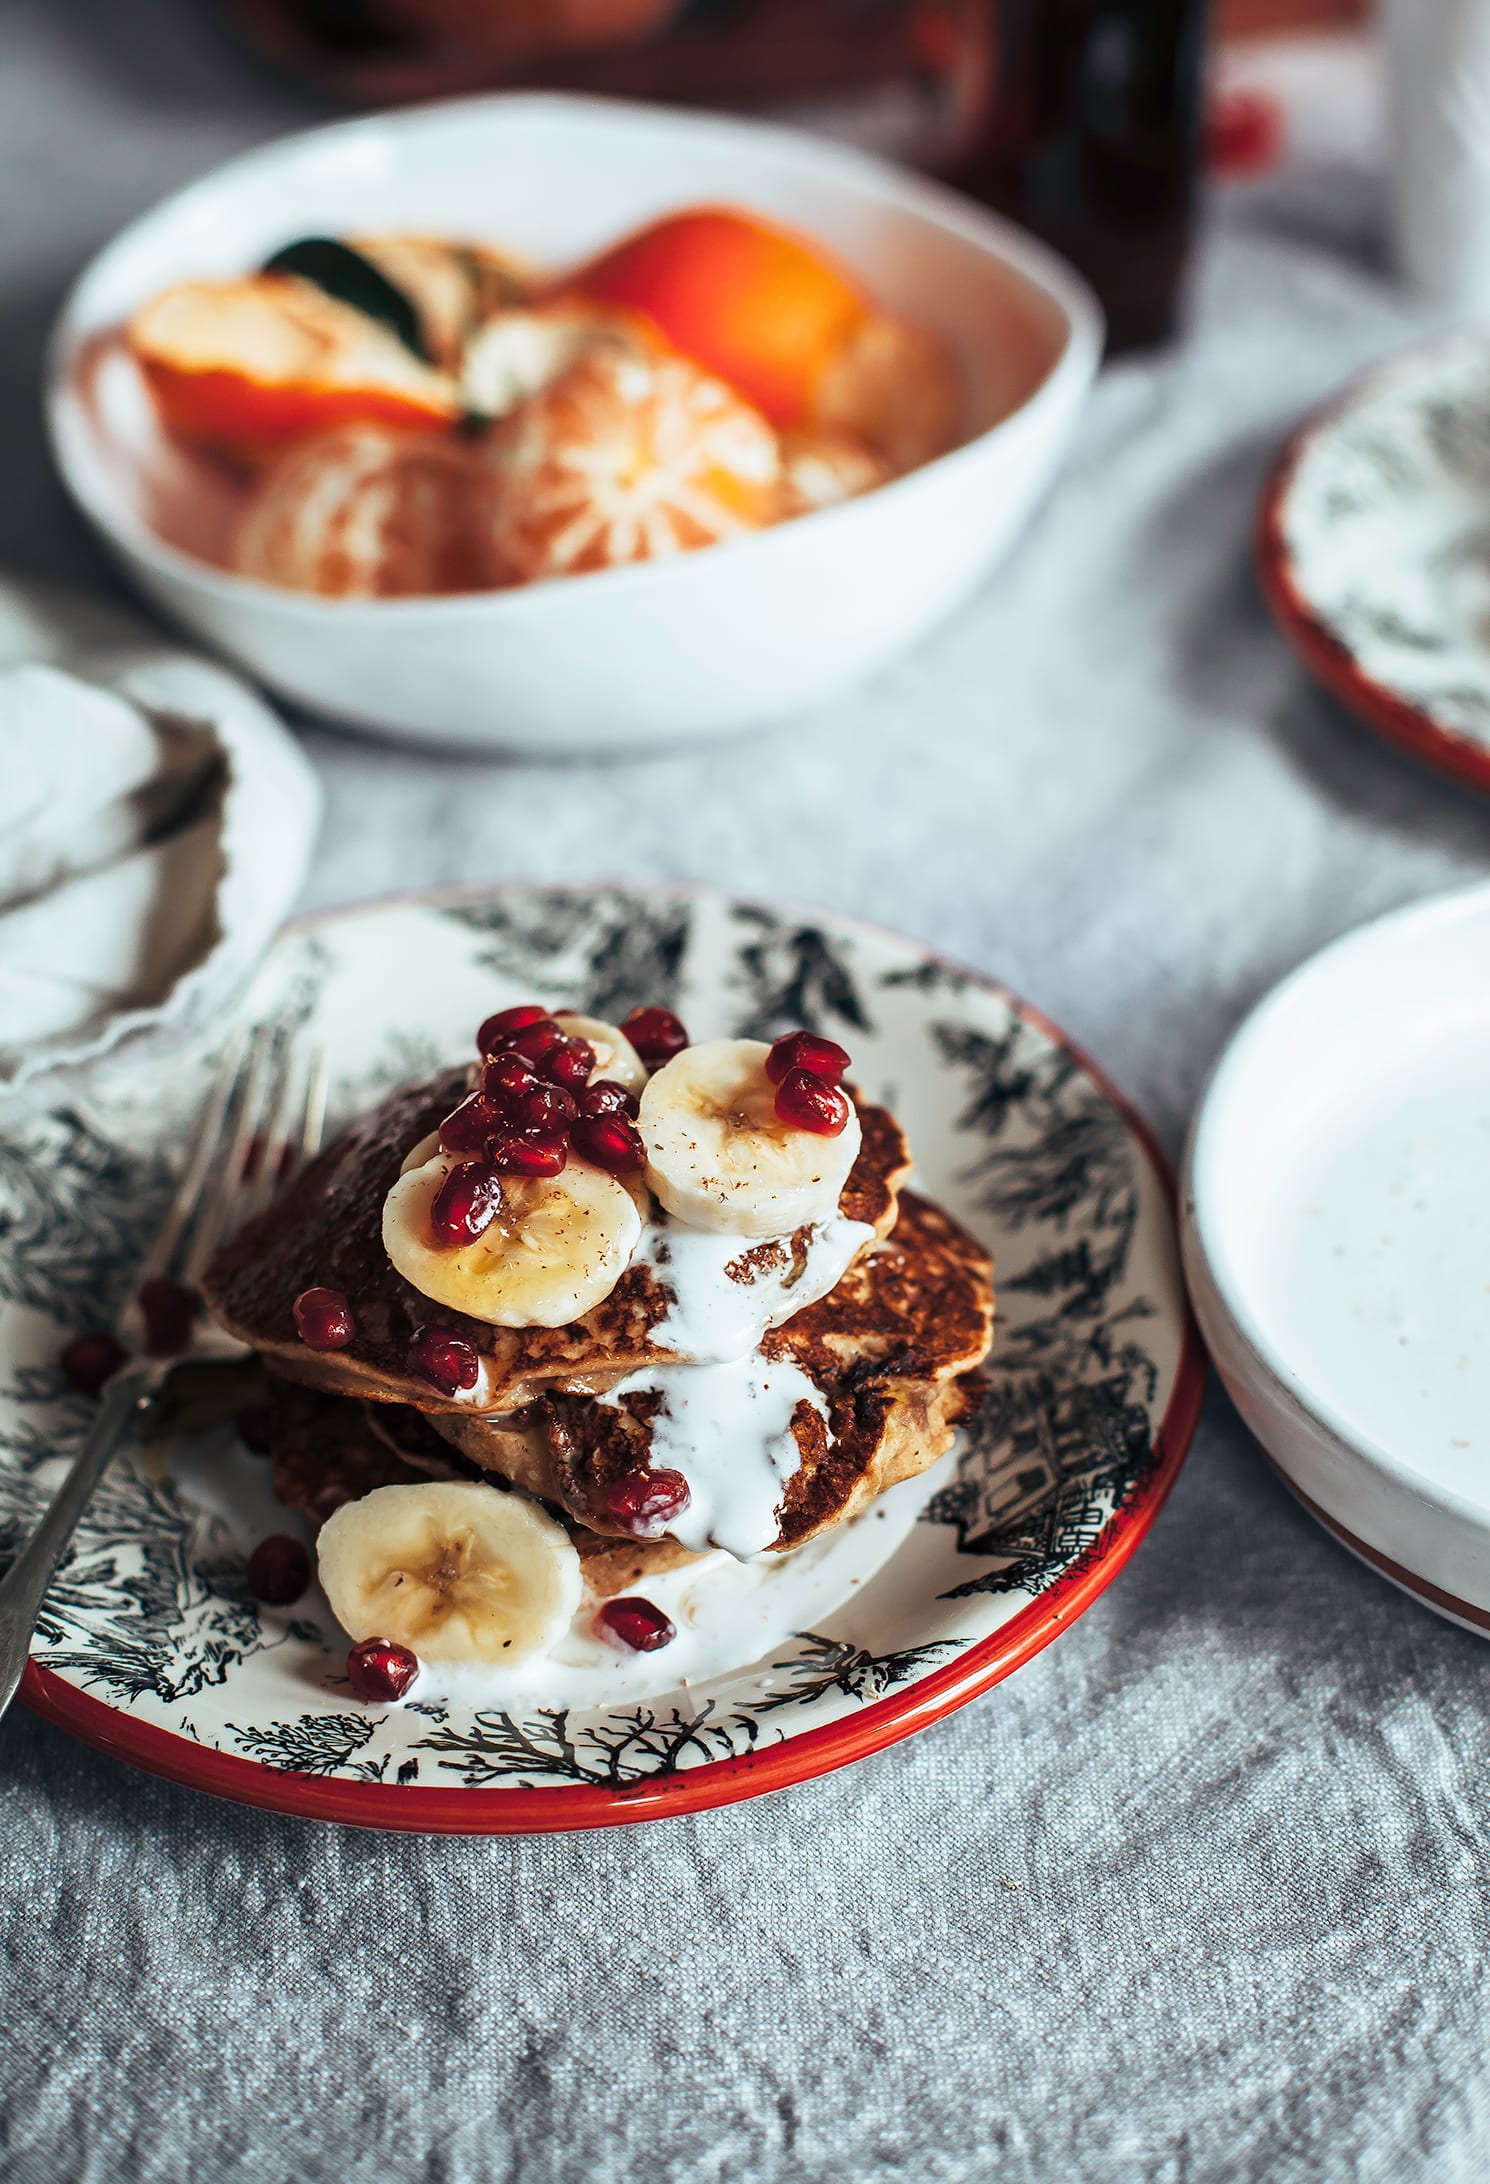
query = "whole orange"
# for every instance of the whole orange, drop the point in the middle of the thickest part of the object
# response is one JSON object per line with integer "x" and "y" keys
{"x": 763, "y": 308}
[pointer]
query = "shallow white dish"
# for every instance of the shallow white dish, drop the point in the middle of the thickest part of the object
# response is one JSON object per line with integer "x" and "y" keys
{"x": 150, "y": 1645}
{"x": 1336, "y": 1238}
{"x": 694, "y": 646}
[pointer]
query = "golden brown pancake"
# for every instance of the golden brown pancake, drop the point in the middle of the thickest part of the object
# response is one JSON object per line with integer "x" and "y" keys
{"x": 326, "y": 1231}
{"x": 331, "y": 1449}
{"x": 893, "y": 1349}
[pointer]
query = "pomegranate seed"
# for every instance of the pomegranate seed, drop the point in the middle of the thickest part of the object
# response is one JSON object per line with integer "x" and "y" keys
{"x": 611, "y": 1142}
{"x": 379, "y": 1669}
{"x": 507, "y": 1080}
{"x": 170, "y": 1308}
{"x": 323, "y": 1319}
{"x": 465, "y": 1205}
{"x": 547, "y": 1107}
{"x": 636, "y": 1624}
{"x": 656, "y": 1034}
{"x": 804, "y": 1050}
{"x": 444, "y": 1359}
{"x": 646, "y": 1502}
{"x": 278, "y": 1570}
{"x": 256, "y": 1430}
{"x": 513, "y": 1152}
{"x": 467, "y": 1127}
{"x": 535, "y": 1042}
{"x": 606, "y": 1097}
{"x": 808, "y": 1104}
{"x": 570, "y": 1063}
{"x": 498, "y": 1029}
{"x": 89, "y": 1360}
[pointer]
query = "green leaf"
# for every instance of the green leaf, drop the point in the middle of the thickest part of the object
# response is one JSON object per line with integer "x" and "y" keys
{"x": 344, "y": 273}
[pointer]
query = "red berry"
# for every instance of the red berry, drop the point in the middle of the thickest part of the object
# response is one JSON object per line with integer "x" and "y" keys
{"x": 535, "y": 1042}
{"x": 611, "y": 1142}
{"x": 606, "y": 1097}
{"x": 278, "y": 1570}
{"x": 379, "y": 1669}
{"x": 89, "y": 1360}
{"x": 645, "y": 1503}
{"x": 570, "y": 1063}
{"x": 507, "y": 1080}
{"x": 808, "y": 1104}
{"x": 256, "y": 1430}
{"x": 804, "y": 1050}
{"x": 170, "y": 1309}
{"x": 450, "y": 1363}
{"x": 467, "y": 1127}
{"x": 323, "y": 1319}
{"x": 514, "y": 1152}
{"x": 546, "y": 1107}
{"x": 636, "y": 1624}
{"x": 465, "y": 1205}
{"x": 497, "y": 1030}
{"x": 656, "y": 1034}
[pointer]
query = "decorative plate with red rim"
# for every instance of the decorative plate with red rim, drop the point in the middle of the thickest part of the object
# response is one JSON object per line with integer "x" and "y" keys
{"x": 152, "y": 1647}
{"x": 1373, "y": 548}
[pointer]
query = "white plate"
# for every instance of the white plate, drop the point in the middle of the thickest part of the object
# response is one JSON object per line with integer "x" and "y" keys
{"x": 693, "y": 646}
{"x": 1336, "y": 1237}
{"x": 151, "y": 1646}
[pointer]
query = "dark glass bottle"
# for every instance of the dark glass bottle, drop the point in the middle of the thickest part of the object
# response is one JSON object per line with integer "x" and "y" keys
{"x": 1091, "y": 137}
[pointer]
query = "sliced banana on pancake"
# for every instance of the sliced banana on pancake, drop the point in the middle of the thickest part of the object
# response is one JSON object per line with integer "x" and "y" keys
{"x": 557, "y": 1247}
{"x": 454, "y": 1570}
{"x": 717, "y": 1156}
{"x": 615, "y": 1057}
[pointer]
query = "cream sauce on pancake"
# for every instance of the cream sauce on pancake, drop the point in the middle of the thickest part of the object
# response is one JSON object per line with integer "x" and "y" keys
{"x": 725, "y": 1291}
{"x": 727, "y": 1427}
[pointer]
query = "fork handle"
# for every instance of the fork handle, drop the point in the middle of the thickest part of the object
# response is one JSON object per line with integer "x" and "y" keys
{"x": 23, "y": 1588}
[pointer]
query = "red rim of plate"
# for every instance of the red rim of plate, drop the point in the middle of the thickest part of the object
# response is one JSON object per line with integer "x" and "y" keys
{"x": 534, "y": 1811}
{"x": 1329, "y": 661}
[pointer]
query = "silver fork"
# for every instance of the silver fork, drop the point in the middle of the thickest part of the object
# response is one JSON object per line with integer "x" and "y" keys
{"x": 263, "y": 1120}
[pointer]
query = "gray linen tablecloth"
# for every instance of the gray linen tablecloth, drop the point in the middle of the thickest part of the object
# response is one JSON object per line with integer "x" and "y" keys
{"x": 1202, "y": 1892}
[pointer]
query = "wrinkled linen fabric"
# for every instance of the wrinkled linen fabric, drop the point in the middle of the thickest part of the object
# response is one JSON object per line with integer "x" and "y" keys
{"x": 1201, "y": 1893}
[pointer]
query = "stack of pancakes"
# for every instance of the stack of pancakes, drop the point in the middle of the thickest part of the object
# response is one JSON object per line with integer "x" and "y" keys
{"x": 893, "y": 1351}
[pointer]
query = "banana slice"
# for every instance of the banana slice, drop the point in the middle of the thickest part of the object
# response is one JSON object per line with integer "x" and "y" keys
{"x": 454, "y": 1570}
{"x": 615, "y": 1056}
{"x": 718, "y": 1158}
{"x": 559, "y": 1245}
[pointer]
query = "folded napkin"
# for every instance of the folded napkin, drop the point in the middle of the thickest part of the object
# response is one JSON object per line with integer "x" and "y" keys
{"x": 156, "y": 824}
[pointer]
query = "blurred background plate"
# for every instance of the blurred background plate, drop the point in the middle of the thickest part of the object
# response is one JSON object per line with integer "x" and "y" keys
{"x": 1373, "y": 549}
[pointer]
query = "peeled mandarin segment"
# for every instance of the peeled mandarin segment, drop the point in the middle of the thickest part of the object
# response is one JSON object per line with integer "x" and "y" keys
{"x": 820, "y": 469}
{"x": 455, "y": 1570}
{"x": 246, "y": 367}
{"x": 895, "y": 388}
{"x": 720, "y": 1158}
{"x": 557, "y": 1248}
{"x": 762, "y": 307}
{"x": 363, "y": 513}
{"x": 622, "y": 459}
{"x": 616, "y": 1059}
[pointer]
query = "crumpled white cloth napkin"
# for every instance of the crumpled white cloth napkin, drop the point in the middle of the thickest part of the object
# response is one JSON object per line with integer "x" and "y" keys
{"x": 156, "y": 824}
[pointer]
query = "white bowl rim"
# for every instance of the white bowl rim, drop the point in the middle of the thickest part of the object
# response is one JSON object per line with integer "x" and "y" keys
{"x": 933, "y": 202}
{"x": 1201, "y": 1231}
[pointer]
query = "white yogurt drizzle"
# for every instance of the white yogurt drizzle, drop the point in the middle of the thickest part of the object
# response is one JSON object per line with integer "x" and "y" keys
{"x": 720, "y": 1302}
{"x": 725, "y": 1419}
{"x": 727, "y": 1427}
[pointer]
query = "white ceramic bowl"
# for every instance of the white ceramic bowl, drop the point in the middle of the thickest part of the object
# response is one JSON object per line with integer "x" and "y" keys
{"x": 698, "y": 645}
{"x": 1336, "y": 1239}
